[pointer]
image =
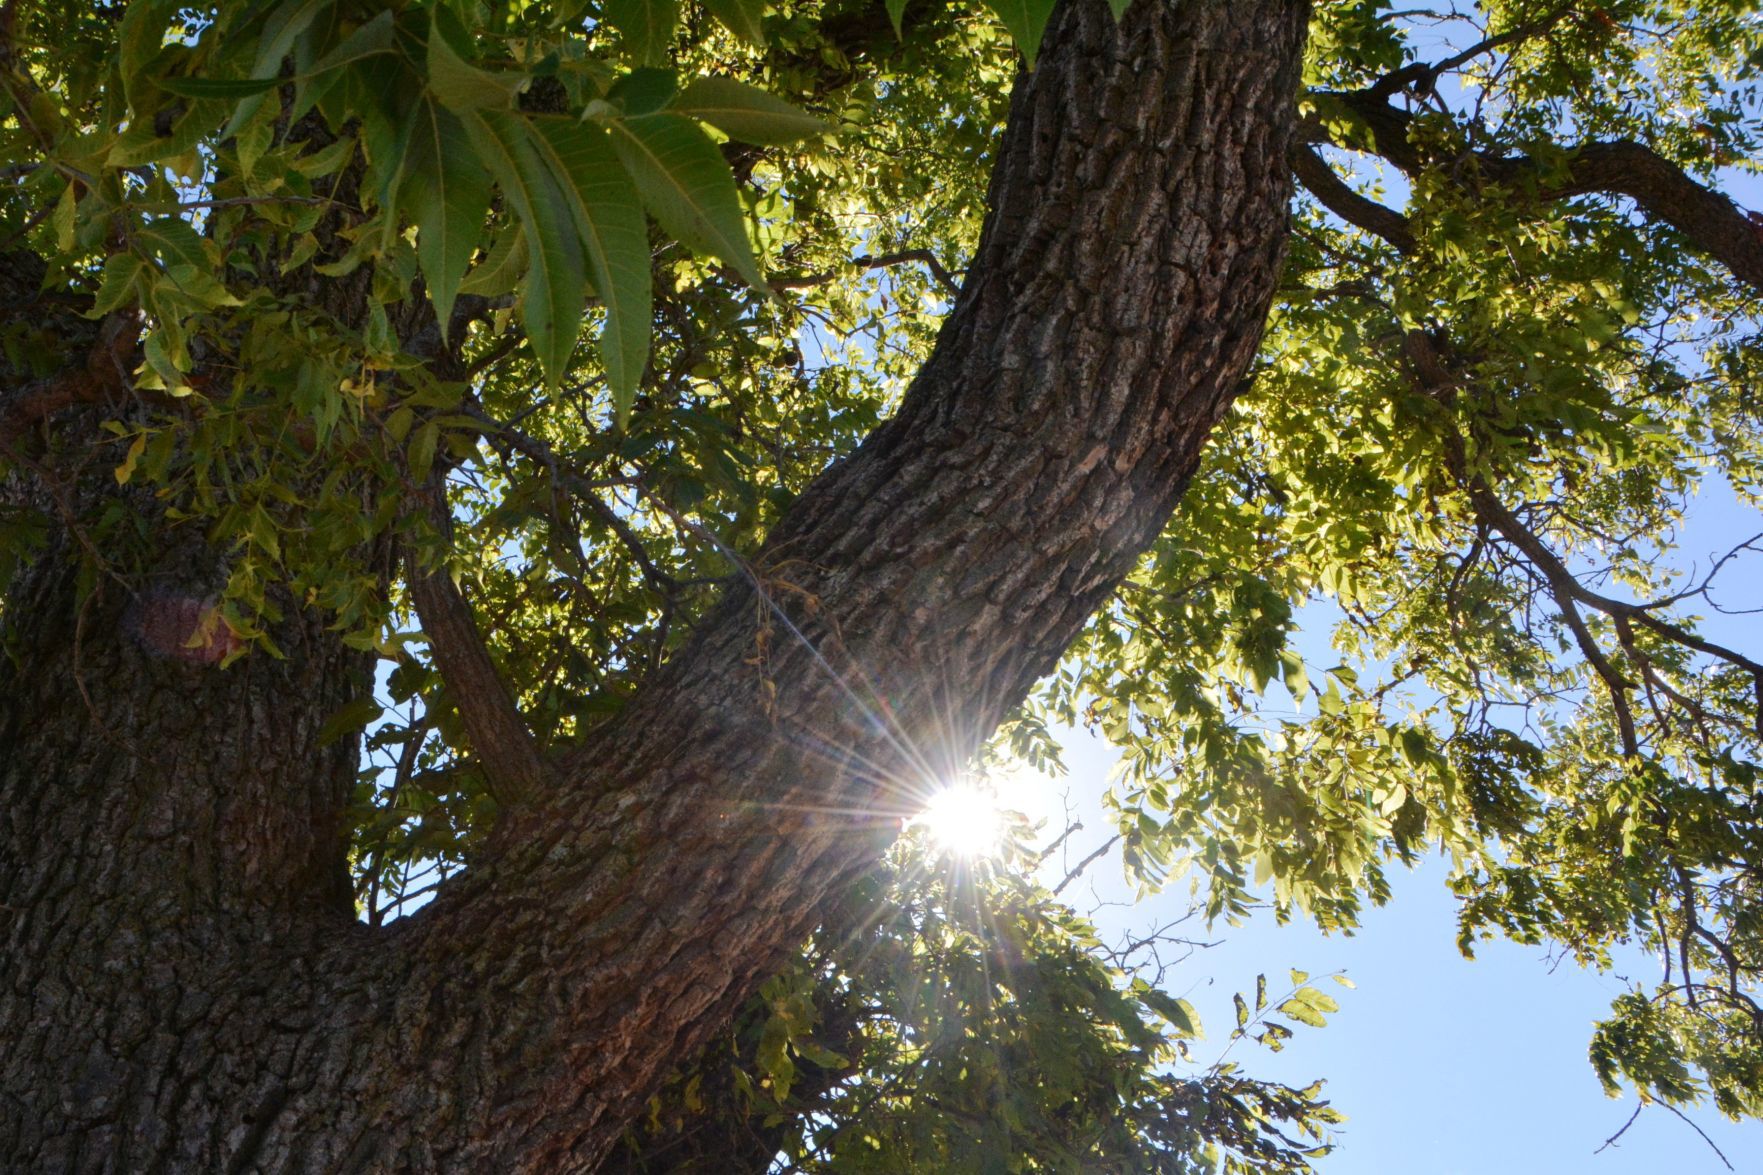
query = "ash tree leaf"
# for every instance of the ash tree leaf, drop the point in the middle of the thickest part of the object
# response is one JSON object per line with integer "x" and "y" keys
{"x": 1179, "y": 1012}
{"x": 130, "y": 459}
{"x": 118, "y": 284}
{"x": 457, "y": 82}
{"x": 348, "y": 719}
{"x": 646, "y": 26}
{"x": 447, "y": 194}
{"x": 644, "y": 90}
{"x": 896, "y": 10}
{"x": 174, "y": 242}
{"x": 217, "y": 87}
{"x": 1026, "y": 20}
{"x": 422, "y": 450}
{"x": 376, "y": 38}
{"x": 551, "y": 304}
{"x": 500, "y": 271}
{"x": 687, "y": 186}
{"x": 609, "y": 216}
{"x": 280, "y": 31}
{"x": 745, "y": 112}
{"x": 62, "y": 219}
{"x": 745, "y": 18}
{"x": 1119, "y": 7}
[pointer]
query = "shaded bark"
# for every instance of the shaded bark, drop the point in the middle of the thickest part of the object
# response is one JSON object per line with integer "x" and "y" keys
{"x": 912, "y": 596}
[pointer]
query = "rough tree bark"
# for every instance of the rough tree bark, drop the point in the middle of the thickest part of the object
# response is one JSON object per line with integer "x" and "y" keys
{"x": 184, "y": 987}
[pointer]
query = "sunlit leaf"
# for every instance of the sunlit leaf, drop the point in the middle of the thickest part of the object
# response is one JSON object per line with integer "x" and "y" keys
{"x": 447, "y": 194}
{"x": 741, "y": 17}
{"x": 1026, "y": 20}
{"x": 745, "y": 112}
{"x": 551, "y": 304}
{"x": 687, "y": 186}
{"x": 609, "y": 217}
{"x": 646, "y": 26}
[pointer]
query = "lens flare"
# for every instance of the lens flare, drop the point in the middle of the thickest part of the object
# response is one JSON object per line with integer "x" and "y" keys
{"x": 964, "y": 820}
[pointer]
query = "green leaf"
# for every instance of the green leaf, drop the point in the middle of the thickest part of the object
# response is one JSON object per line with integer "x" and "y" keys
{"x": 118, "y": 284}
{"x": 744, "y": 18}
{"x": 348, "y": 719}
{"x": 644, "y": 90}
{"x": 897, "y": 9}
{"x": 422, "y": 450}
{"x": 500, "y": 271}
{"x": 217, "y": 87}
{"x": 372, "y": 39}
{"x": 745, "y": 112}
{"x": 551, "y": 306}
{"x": 62, "y": 219}
{"x": 1026, "y": 20}
{"x": 1178, "y": 1012}
{"x": 646, "y": 26}
{"x": 142, "y": 143}
{"x": 447, "y": 193}
{"x": 687, "y": 186}
{"x": 458, "y": 83}
{"x": 280, "y": 31}
{"x": 376, "y": 38}
{"x": 1119, "y": 7}
{"x": 174, "y": 242}
{"x": 609, "y": 216}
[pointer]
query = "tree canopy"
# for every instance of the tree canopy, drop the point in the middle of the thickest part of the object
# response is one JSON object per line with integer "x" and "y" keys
{"x": 504, "y": 339}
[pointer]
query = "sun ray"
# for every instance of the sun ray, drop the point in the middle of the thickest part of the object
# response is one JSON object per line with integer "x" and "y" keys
{"x": 964, "y": 820}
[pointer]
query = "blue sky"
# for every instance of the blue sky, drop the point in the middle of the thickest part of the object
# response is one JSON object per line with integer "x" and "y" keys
{"x": 1444, "y": 1066}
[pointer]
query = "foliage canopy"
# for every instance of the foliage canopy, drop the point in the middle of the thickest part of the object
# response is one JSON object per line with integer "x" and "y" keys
{"x": 618, "y": 279}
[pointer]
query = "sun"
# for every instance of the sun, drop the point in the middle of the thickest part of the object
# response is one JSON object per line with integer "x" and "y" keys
{"x": 964, "y": 820}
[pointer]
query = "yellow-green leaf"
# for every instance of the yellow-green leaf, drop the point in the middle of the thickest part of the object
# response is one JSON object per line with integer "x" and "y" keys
{"x": 744, "y": 18}
{"x": 551, "y": 305}
{"x": 62, "y": 219}
{"x": 745, "y": 112}
{"x": 127, "y": 469}
{"x": 687, "y": 186}
{"x": 458, "y": 83}
{"x": 647, "y": 27}
{"x": 447, "y": 193}
{"x": 1026, "y": 20}
{"x": 500, "y": 271}
{"x": 609, "y": 217}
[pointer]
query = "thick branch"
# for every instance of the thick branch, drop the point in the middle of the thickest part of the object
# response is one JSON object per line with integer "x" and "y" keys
{"x": 101, "y": 375}
{"x": 915, "y": 592}
{"x": 1320, "y": 180}
{"x": 877, "y": 261}
{"x": 505, "y": 748}
{"x": 1711, "y": 221}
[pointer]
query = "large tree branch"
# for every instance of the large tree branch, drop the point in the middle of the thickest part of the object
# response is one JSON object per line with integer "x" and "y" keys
{"x": 1716, "y": 225}
{"x": 1320, "y": 180}
{"x": 103, "y": 373}
{"x": 506, "y": 751}
{"x": 912, "y": 595}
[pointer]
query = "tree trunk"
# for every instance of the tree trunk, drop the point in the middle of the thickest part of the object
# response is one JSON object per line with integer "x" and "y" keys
{"x": 183, "y": 985}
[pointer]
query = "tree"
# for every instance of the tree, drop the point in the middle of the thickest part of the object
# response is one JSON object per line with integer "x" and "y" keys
{"x": 676, "y": 620}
